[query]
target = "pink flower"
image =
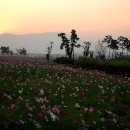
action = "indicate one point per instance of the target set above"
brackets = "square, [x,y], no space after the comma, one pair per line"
[6,125]
[40,114]
[37,125]
[55,110]
[128,124]
[91,109]
[129,79]
[126,106]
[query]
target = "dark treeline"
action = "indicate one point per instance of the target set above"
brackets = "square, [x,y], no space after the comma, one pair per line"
[115,47]
[118,46]
[6,51]
[107,48]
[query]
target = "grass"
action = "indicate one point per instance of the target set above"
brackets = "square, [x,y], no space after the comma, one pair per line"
[38,95]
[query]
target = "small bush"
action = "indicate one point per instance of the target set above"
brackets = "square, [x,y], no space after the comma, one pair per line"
[64,60]
[88,63]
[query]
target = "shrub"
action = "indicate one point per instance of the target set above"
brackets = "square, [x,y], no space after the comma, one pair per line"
[88,63]
[116,66]
[64,60]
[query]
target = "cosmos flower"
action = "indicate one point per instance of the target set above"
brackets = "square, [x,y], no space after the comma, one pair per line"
[56,110]
[77,105]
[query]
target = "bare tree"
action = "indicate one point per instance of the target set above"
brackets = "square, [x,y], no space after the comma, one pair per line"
[101,50]
[111,44]
[48,50]
[86,48]
[121,41]
[127,45]
[124,44]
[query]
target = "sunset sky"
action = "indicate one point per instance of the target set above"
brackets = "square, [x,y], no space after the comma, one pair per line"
[93,18]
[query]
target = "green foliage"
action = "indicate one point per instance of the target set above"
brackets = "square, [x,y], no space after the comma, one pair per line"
[88,63]
[116,66]
[64,60]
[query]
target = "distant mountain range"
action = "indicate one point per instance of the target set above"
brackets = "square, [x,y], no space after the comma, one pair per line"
[34,43]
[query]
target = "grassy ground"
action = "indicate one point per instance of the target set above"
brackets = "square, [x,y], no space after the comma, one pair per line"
[39,95]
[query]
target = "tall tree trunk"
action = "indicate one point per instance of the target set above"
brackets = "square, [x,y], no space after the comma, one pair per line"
[66,52]
[73,53]
[127,52]
[122,50]
[109,52]
[115,53]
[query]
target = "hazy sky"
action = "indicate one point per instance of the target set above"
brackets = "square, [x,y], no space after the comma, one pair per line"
[91,18]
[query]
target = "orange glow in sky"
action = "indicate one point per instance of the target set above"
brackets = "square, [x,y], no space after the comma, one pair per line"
[93,17]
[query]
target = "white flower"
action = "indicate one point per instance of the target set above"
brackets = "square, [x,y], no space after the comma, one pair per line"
[102,119]
[85,109]
[103,91]
[114,120]
[101,87]
[94,122]
[20,91]
[77,105]
[9,97]
[30,115]
[37,125]
[22,122]
[41,92]
[39,100]
[53,116]
[109,112]
[77,89]
[12,106]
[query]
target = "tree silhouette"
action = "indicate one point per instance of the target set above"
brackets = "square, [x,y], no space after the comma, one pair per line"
[101,50]
[91,54]
[121,41]
[22,51]
[74,39]
[86,47]
[69,44]
[108,40]
[111,44]
[114,47]
[49,49]
[127,45]
[6,50]
[124,43]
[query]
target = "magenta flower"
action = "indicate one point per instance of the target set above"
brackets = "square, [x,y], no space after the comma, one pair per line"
[91,109]
[56,110]
[128,124]
[40,114]
[6,125]
[129,79]
[37,125]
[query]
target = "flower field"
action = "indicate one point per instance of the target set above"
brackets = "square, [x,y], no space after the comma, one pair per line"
[35,94]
